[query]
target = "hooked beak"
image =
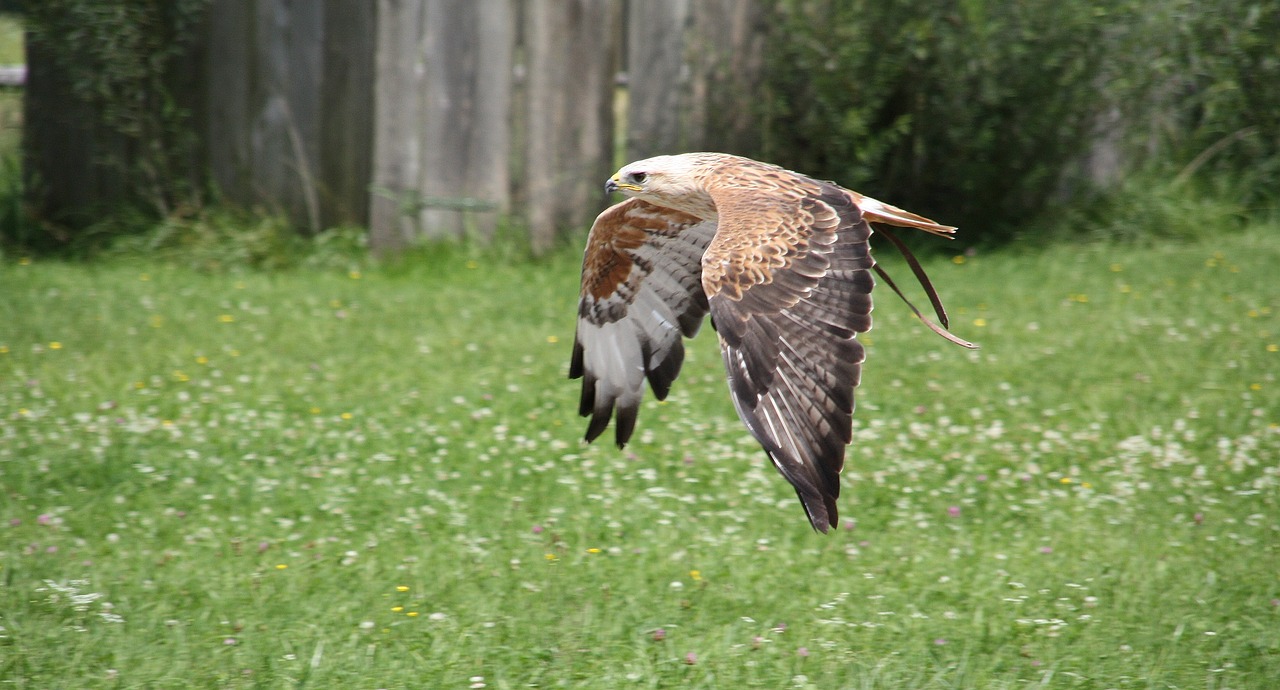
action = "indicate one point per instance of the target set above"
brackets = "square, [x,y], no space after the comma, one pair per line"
[615,184]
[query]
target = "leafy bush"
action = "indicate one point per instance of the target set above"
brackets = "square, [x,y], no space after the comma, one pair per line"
[986,113]
[1219,81]
[117,72]
[968,111]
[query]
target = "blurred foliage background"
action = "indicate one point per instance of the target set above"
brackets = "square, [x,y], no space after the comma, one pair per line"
[998,112]
[1114,118]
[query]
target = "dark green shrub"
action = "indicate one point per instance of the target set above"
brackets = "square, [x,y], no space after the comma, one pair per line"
[987,113]
[116,78]
[969,111]
[1224,69]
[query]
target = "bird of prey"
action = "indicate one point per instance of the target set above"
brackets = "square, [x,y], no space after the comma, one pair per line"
[782,263]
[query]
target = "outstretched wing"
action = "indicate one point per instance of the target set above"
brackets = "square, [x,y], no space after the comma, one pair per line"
[641,293]
[789,282]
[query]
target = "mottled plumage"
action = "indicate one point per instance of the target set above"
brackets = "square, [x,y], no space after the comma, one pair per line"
[782,263]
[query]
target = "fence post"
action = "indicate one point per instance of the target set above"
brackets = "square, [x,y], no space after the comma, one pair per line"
[693,71]
[346,130]
[656,77]
[726,55]
[571,48]
[442,130]
[265,64]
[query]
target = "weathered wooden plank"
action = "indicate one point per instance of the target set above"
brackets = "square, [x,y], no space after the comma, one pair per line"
[656,77]
[289,109]
[397,137]
[284,106]
[572,52]
[443,118]
[725,49]
[229,57]
[346,130]
[305,104]
[693,70]
[265,72]
[466,122]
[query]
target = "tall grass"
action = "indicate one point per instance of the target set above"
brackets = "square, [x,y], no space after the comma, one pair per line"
[372,478]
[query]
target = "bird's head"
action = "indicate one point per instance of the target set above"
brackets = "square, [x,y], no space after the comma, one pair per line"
[671,181]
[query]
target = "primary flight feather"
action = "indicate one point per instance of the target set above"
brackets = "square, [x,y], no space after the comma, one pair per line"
[781,262]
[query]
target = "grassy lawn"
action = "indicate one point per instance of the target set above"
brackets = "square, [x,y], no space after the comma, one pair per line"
[375,480]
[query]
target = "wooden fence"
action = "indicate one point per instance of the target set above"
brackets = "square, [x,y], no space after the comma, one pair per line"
[442,117]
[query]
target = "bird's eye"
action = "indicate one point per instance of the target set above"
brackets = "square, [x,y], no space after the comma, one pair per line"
[639,177]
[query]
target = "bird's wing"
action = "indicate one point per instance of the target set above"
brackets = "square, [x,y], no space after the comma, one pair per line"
[789,283]
[641,293]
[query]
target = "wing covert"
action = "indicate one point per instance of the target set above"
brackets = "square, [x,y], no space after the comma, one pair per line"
[641,294]
[790,287]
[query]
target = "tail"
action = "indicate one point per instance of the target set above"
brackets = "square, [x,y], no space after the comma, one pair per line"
[875,211]
[879,212]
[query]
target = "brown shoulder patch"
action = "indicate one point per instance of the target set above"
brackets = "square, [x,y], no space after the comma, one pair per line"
[617,232]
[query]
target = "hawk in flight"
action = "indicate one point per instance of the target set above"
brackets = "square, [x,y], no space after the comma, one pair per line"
[782,263]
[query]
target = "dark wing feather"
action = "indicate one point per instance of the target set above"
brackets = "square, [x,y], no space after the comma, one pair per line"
[641,294]
[790,286]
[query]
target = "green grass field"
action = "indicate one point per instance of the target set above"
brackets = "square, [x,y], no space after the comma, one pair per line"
[375,480]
